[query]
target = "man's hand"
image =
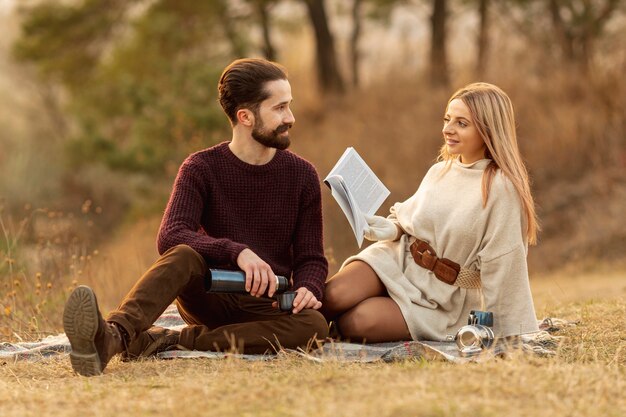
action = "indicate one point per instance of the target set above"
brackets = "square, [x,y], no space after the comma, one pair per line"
[380,228]
[259,275]
[305,299]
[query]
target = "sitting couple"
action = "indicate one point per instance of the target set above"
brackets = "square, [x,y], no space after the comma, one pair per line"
[460,242]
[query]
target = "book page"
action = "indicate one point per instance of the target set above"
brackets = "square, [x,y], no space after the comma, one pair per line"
[357,189]
[347,204]
[368,191]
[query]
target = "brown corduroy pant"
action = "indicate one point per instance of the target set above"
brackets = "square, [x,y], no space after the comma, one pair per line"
[220,322]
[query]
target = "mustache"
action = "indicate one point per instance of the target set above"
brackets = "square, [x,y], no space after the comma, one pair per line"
[283,128]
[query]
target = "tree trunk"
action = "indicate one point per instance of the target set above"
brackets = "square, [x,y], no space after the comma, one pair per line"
[355,55]
[563,36]
[438,58]
[238,46]
[326,58]
[268,48]
[483,38]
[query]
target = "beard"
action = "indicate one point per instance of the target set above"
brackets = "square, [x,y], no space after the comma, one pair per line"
[272,138]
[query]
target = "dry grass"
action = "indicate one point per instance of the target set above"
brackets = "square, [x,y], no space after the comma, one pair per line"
[36,279]
[293,386]
[586,378]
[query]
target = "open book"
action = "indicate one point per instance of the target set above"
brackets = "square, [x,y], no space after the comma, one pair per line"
[357,189]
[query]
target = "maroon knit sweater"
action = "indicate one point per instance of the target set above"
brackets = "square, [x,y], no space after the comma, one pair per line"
[221,205]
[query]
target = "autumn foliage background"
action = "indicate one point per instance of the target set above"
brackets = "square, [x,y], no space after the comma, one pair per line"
[100,101]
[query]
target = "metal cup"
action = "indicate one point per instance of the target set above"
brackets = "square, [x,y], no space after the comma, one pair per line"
[477,335]
[285,300]
[474,337]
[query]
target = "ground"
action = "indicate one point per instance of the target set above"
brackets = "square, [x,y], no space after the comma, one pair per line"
[586,378]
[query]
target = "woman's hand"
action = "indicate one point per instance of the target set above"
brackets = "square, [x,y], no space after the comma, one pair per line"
[380,228]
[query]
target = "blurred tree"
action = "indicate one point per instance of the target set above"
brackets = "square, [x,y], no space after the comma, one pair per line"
[577,25]
[262,9]
[67,41]
[140,74]
[327,64]
[355,55]
[372,9]
[438,55]
[482,41]
[574,27]
[236,37]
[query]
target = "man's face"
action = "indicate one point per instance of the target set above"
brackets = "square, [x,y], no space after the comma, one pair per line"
[273,119]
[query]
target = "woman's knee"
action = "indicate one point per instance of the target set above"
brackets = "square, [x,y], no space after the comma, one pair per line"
[334,295]
[350,286]
[357,324]
[338,298]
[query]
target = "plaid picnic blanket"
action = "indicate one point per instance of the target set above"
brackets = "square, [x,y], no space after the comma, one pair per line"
[543,344]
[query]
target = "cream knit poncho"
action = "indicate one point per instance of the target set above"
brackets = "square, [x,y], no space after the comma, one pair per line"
[447,212]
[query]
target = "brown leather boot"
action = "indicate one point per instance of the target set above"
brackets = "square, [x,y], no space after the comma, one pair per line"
[94,341]
[152,341]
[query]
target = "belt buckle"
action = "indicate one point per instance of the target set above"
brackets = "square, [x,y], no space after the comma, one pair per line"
[426,251]
[428,258]
[425,246]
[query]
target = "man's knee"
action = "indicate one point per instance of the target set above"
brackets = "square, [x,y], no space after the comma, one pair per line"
[312,324]
[187,255]
[181,250]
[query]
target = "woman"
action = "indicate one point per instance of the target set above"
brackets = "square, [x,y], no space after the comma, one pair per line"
[458,244]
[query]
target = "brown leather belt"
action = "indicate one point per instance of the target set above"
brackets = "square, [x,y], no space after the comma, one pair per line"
[444,269]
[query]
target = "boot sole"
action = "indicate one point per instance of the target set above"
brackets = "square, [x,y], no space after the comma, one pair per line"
[80,322]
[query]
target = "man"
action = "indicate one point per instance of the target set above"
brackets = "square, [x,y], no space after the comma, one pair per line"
[246,204]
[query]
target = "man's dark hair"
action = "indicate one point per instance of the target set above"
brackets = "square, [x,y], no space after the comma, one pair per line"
[242,84]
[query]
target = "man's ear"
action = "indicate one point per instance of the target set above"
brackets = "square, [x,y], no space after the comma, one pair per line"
[245,117]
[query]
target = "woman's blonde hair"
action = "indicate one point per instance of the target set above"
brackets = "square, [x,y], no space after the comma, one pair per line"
[492,112]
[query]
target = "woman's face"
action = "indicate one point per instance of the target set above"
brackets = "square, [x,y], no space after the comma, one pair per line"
[460,133]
